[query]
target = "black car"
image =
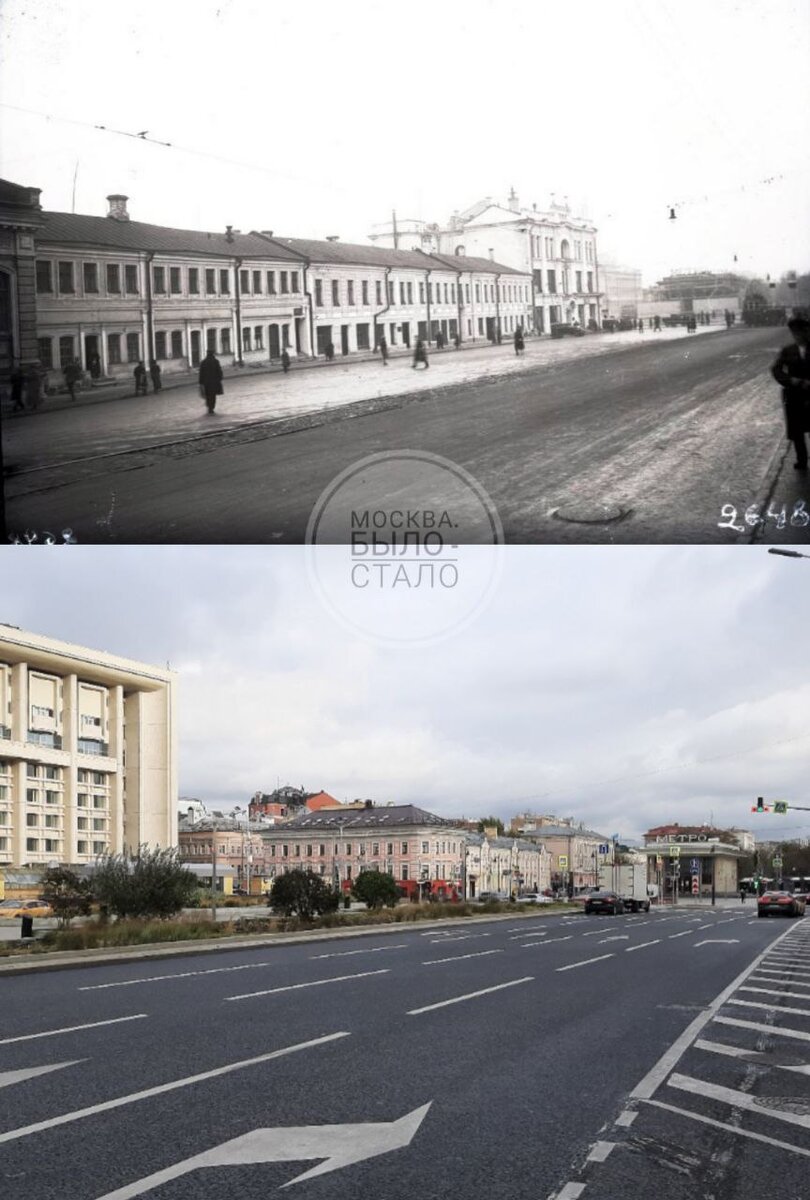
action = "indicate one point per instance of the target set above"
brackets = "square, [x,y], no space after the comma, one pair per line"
[604,901]
[561,330]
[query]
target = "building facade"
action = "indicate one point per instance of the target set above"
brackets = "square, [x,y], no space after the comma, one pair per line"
[693,860]
[622,291]
[556,249]
[506,865]
[20,219]
[579,856]
[88,752]
[111,292]
[236,845]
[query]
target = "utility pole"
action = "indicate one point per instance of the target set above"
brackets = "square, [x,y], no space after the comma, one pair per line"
[394,223]
[214,870]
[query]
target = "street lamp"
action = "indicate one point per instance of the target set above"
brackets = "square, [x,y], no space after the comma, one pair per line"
[214,869]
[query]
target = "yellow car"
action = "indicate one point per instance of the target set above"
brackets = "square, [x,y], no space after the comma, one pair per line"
[25,908]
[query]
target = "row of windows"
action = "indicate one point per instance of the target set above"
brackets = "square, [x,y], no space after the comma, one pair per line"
[61,277]
[551,281]
[546,244]
[359,848]
[431,293]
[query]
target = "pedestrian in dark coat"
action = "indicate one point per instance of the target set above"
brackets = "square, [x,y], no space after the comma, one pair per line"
[792,371]
[439,340]
[329,351]
[383,348]
[17,381]
[211,380]
[285,360]
[73,373]
[154,372]
[640,325]
[94,366]
[420,354]
[140,379]
[519,343]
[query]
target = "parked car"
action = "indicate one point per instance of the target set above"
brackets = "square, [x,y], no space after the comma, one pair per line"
[604,901]
[561,330]
[582,896]
[25,908]
[488,896]
[787,904]
[534,898]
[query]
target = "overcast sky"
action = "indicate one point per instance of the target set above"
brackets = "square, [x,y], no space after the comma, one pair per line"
[625,686]
[343,111]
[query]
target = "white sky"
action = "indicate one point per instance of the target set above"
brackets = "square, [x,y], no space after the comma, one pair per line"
[349,109]
[626,686]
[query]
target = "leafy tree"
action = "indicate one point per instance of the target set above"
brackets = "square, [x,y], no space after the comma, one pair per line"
[68,895]
[376,889]
[149,883]
[487,821]
[300,893]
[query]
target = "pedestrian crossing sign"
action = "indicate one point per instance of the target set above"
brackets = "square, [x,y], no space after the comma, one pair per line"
[780,806]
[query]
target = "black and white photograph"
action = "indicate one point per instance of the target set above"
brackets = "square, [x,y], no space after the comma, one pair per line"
[404,578]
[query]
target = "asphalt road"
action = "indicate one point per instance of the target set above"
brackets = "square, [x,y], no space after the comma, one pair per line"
[645,443]
[610,1058]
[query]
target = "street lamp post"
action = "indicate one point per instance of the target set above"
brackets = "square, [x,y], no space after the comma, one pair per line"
[214,869]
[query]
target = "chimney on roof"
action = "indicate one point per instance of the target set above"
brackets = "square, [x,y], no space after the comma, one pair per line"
[332,237]
[118,207]
[513,201]
[491,253]
[229,233]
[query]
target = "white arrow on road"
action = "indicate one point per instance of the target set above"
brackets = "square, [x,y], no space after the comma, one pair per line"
[717,942]
[339,1145]
[7,1078]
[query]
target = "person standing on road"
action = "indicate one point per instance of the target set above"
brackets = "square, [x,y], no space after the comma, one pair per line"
[383,348]
[154,372]
[519,343]
[211,380]
[420,354]
[641,324]
[17,380]
[792,371]
[73,373]
[285,360]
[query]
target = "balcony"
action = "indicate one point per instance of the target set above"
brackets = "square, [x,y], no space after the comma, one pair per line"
[92,746]
[40,738]
[5,733]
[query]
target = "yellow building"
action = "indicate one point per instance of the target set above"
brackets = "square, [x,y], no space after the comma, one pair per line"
[88,752]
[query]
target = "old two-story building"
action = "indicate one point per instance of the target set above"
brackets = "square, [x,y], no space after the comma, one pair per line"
[235,844]
[510,865]
[111,292]
[554,247]
[20,218]
[359,293]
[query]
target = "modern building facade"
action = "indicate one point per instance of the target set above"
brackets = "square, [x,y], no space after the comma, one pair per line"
[554,247]
[88,752]
[694,860]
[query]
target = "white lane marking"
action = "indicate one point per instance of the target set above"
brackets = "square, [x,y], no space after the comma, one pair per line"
[294,987]
[13,1134]
[626,1118]
[99,987]
[29,1037]
[413,1012]
[778,995]
[522,932]
[616,937]
[709,926]
[773,980]
[374,950]
[571,1191]
[742,1052]
[431,962]
[464,937]
[593,932]
[748,1133]
[586,962]
[683,933]
[8,1078]
[759,1027]
[600,1151]
[783,971]
[717,942]
[656,1075]
[642,946]
[548,941]
[799,1012]
[735,1098]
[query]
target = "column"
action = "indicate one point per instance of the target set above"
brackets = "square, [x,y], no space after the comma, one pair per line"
[19,702]
[19,782]
[102,350]
[70,733]
[115,735]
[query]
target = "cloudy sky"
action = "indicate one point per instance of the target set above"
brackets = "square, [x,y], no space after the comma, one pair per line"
[625,686]
[319,118]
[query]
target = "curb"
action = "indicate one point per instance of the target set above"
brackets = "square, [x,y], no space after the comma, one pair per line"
[66,960]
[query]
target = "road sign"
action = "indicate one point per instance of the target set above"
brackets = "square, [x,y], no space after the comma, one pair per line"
[674,852]
[563,861]
[339,1145]
[694,865]
[780,806]
[695,885]
[604,849]
[777,862]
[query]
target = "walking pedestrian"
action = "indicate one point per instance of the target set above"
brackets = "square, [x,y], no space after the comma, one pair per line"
[519,343]
[73,373]
[17,380]
[285,360]
[641,324]
[94,365]
[329,351]
[154,372]
[792,371]
[211,380]
[383,348]
[140,379]
[439,340]
[420,354]
[657,325]
[742,895]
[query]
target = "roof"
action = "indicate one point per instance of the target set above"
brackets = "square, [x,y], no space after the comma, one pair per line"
[354,254]
[564,831]
[388,815]
[81,230]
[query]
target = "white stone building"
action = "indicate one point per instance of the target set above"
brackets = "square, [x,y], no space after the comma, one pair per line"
[117,291]
[555,248]
[506,864]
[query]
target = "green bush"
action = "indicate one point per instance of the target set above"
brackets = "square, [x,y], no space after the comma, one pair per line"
[150,883]
[376,889]
[68,895]
[302,894]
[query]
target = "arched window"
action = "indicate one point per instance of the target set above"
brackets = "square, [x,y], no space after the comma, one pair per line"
[565,248]
[460,250]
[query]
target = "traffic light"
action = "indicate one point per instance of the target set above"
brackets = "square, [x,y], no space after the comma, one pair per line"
[761,806]
[780,806]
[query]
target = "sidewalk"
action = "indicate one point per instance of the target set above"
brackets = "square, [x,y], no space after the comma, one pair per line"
[102,392]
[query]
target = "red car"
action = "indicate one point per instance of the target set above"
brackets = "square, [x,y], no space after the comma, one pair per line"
[786,904]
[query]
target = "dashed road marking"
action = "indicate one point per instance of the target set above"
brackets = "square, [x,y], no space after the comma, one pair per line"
[643,946]
[294,987]
[431,962]
[600,1151]
[413,1012]
[586,962]
[29,1037]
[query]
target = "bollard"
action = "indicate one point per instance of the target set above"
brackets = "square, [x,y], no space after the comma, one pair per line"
[27,927]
